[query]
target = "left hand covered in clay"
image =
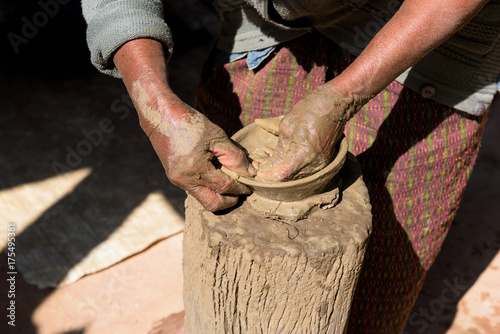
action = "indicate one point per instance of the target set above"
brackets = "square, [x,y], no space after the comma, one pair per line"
[308,135]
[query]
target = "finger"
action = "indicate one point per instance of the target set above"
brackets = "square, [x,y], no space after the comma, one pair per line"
[230,156]
[270,163]
[271,125]
[221,183]
[212,201]
[280,173]
[269,151]
[277,169]
[256,165]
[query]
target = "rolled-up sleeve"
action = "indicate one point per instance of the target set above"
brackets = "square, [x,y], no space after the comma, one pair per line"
[112,23]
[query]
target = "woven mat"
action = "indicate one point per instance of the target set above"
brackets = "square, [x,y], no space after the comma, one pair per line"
[58,244]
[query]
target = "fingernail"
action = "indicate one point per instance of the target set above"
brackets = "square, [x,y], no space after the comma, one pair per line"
[247,191]
[252,170]
[268,150]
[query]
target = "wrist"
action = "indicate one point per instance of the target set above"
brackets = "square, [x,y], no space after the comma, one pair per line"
[342,103]
[142,64]
[157,105]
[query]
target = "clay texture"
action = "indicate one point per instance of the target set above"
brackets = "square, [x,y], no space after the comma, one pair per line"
[253,138]
[244,273]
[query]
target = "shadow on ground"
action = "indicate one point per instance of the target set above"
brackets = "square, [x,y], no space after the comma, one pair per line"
[51,94]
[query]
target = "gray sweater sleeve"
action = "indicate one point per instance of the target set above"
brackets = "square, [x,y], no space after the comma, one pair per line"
[112,23]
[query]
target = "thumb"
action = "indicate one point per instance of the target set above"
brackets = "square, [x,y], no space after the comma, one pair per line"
[233,158]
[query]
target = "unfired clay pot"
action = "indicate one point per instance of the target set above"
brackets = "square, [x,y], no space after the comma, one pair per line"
[253,137]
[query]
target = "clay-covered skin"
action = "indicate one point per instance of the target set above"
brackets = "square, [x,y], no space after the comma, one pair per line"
[308,135]
[184,140]
[186,146]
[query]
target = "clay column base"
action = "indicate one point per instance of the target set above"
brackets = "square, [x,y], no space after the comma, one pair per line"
[244,273]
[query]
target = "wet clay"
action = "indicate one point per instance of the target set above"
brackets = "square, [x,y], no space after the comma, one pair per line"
[244,273]
[253,138]
[271,125]
[291,211]
[346,108]
[342,108]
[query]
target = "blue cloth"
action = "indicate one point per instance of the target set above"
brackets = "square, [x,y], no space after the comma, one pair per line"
[253,58]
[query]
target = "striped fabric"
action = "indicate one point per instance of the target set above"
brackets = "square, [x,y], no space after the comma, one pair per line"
[270,90]
[416,156]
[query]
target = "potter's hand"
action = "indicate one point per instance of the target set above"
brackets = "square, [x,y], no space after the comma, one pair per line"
[184,140]
[416,28]
[308,135]
[186,147]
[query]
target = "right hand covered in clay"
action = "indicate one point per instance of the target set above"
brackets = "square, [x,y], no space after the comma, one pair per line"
[186,144]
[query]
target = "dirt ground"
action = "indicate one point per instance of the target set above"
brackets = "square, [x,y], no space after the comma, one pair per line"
[49,92]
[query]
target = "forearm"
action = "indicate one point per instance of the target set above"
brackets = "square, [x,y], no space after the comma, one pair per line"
[142,65]
[416,29]
[112,23]
[185,140]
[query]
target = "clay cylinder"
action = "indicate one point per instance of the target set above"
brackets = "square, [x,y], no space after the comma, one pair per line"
[245,273]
